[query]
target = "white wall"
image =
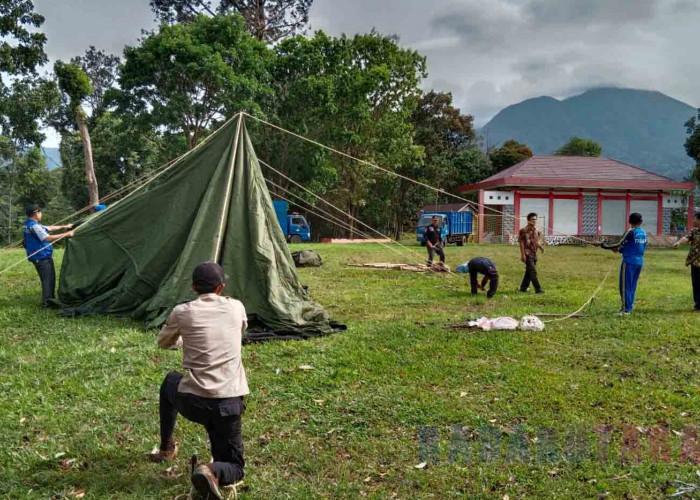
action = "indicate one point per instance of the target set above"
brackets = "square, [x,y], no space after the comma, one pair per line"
[565,217]
[540,206]
[614,217]
[650,213]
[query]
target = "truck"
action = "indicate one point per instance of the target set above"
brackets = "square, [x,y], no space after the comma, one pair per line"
[294,226]
[455,227]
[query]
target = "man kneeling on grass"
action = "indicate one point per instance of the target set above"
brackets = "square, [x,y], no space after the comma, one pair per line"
[210,330]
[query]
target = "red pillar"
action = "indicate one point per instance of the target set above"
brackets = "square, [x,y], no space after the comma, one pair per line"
[660,215]
[481,215]
[628,207]
[599,227]
[516,200]
[691,211]
[580,213]
[550,222]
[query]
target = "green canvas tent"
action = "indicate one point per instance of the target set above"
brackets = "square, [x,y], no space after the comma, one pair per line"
[136,258]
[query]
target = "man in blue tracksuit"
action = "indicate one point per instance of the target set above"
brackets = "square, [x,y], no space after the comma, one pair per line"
[632,247]
[37,242]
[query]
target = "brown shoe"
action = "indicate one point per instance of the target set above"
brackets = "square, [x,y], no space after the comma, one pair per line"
[205,483]
[161,456]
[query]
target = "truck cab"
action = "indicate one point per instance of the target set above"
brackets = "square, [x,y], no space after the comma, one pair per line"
[425,220]
[294,226]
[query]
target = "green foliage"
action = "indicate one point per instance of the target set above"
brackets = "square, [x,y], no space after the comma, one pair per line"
[580,147]
[21,46]
[122,153]
[73,82]
[102,70]
[692,143]
[35,184]
[23,107]
[187,76]
[353,94]
[510,153]
[267,20]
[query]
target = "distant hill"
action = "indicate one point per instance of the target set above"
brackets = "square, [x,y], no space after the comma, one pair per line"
[640,127]
[53,158]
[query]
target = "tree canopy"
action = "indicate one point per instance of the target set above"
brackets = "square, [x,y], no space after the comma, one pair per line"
[580,147]
[510,153]
[188,77]
[692,143]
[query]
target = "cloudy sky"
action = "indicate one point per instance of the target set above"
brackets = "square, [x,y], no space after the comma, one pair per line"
[488,53]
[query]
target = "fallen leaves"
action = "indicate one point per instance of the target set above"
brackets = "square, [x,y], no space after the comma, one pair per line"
[306,367]
[421,465]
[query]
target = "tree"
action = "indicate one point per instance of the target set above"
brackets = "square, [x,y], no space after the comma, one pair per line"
[35,185]
[188,77]
[356,95]
[580,147]
[102,69]
[510,153]
[692,143]
[267,20]
[271,20]
[76,87]
[21,48]
[122,151]
[450,143]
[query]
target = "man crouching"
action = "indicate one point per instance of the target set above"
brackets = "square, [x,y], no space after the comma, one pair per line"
[211,391]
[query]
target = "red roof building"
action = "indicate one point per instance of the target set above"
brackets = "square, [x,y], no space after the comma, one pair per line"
[581,196]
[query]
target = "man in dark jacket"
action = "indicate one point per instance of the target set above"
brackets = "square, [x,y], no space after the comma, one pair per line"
[433,241]
[482,265]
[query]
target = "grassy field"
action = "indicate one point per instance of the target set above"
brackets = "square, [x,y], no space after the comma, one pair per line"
[78,404]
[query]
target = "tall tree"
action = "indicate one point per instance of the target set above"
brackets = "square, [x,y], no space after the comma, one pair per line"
[271,20]
[580,147]
[102,69]
[267,20]
[356,95]
[692,143]
[22,47]
[76,87]
[510,153]
[188,77]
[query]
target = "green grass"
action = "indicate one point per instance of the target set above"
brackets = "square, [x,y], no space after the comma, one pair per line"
[88,388]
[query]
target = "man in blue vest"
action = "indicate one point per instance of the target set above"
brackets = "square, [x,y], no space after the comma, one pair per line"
[37,242]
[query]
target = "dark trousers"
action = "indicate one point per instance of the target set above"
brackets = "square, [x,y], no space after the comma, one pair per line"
[221,417]
[695,277]
[530,275]
[493,282]
[436,249]
[47,275]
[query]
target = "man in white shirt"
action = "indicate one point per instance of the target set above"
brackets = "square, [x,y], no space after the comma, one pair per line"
[210,330]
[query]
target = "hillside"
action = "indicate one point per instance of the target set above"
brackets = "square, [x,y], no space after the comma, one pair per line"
[640,127]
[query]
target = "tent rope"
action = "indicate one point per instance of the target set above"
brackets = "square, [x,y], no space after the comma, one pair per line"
[341,224]
[396,174]
[340,210]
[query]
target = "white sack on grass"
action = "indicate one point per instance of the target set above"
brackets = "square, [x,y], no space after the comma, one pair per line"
[531,323]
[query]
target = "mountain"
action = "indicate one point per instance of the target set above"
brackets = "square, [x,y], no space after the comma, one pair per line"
[641,127]
[53,158]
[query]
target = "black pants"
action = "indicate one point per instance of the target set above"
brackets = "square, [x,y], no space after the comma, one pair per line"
[493,282]
[695,277]
[47,275]
[436,249]
[530,275]
[221,417]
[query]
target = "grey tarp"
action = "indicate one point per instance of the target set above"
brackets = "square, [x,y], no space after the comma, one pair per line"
[136,258]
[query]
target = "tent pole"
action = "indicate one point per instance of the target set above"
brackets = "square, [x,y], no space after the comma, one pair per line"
[227,201]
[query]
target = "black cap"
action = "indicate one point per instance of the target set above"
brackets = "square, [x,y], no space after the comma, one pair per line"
[32,209]
[207,276]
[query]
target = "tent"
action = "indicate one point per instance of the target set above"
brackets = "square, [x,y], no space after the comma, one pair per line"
[136,258]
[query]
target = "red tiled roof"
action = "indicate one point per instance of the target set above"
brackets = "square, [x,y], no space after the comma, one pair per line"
[580,172]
